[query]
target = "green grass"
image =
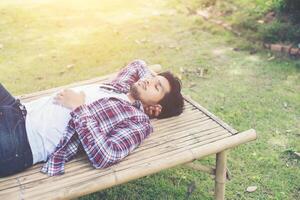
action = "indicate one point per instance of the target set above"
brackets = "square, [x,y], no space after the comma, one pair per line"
[41,38]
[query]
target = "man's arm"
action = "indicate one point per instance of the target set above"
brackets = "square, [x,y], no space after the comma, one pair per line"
[130,74]
[105,149]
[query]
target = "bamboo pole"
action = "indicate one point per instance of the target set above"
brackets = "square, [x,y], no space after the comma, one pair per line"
[220,178]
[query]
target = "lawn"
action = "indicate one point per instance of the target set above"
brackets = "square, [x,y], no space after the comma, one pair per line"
[49,43]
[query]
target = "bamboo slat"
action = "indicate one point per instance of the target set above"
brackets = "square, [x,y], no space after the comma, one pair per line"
[204,110]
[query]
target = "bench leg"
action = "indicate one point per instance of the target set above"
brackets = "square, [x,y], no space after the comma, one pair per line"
[220,178]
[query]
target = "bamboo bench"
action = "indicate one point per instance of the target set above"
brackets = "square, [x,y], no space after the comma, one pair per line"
[178,140]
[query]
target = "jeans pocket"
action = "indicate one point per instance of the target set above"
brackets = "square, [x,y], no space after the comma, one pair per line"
[10,119]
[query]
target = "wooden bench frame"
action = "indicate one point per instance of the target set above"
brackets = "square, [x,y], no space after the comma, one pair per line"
[219,148]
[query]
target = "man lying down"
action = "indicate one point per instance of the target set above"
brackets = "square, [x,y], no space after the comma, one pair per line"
[107,121]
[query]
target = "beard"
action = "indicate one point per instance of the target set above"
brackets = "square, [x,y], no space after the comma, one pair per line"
[134,92]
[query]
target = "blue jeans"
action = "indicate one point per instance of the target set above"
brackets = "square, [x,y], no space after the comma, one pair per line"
[15,152]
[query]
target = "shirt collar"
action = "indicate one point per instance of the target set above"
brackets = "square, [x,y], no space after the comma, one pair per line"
[138,104]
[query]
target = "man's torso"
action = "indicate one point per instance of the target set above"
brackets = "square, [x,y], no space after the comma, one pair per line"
[46,122]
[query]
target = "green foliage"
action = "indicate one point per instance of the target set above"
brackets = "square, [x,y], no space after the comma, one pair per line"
[245,16]
[281,29]
[278,31]
[291,8]
[207,3]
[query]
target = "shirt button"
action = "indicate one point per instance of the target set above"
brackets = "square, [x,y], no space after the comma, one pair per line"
[17,155]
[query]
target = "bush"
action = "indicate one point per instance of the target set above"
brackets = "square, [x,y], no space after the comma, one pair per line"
[284,28]
[292,9]
[278,31]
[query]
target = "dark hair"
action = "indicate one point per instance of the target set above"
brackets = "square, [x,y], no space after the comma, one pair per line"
[172,103]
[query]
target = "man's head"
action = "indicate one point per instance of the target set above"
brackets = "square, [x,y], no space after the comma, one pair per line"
[161,92]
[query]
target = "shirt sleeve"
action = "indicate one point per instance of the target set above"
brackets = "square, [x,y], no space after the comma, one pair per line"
[55,164]
[104,149]
[130,74]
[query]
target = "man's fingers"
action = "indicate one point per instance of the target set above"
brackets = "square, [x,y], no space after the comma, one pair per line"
[58,99]
[153,111]
[150,112]
[66,90]
[59,94]
[82,93]
[157,112]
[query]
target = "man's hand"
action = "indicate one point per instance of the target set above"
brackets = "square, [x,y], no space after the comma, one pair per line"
[70,99]
[155,69]
[153,111]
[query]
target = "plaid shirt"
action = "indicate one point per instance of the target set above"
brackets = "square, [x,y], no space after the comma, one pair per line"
[108,129]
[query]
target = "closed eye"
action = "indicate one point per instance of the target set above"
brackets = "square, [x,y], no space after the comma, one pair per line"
[160,85]
[156,87]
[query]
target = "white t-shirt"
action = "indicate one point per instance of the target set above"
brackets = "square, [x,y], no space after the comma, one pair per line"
[46,121]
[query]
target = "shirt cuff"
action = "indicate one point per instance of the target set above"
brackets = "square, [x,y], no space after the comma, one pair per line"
[51,169]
